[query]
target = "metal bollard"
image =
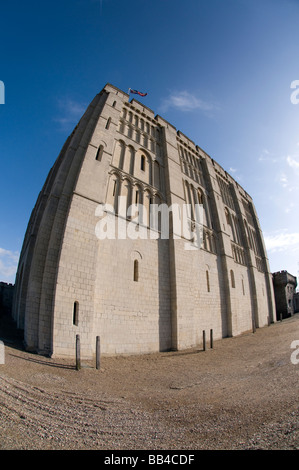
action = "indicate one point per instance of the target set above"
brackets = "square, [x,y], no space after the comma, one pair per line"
[78,359]
[98,352]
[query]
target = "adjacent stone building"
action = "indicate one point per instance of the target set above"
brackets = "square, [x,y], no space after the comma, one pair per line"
[284,291]
[138,293]
[6,298]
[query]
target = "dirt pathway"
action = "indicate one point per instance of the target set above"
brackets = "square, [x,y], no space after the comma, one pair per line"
[242,394]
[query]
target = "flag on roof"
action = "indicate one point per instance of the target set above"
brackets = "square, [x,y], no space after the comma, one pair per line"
[137,92]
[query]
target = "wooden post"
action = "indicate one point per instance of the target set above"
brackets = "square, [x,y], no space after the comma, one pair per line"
[98,352]
[204,340]
[211,339]
[78,360]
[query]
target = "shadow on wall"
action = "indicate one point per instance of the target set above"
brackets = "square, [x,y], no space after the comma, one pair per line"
[165,320]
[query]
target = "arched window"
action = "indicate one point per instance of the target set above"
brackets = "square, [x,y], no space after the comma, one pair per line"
[114,187]
[232,278]
[76,313]
[142,166]
[100,153]
[136,270]
[208,281]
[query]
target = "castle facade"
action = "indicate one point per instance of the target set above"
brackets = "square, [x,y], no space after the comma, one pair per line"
[139,291]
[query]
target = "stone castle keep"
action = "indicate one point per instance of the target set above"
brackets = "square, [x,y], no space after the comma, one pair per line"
[139,295]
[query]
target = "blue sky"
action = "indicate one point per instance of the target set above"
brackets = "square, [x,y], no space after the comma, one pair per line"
[219,70]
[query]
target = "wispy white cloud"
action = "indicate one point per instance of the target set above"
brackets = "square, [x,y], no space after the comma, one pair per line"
[235,173]
[70,111]
[291,206]
[282,241]
[289,174]
[185,101]
[8,264]
[284,169]
[267,156]
[293,162]
[283,179]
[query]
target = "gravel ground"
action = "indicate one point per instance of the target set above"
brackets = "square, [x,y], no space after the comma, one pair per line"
[242,394]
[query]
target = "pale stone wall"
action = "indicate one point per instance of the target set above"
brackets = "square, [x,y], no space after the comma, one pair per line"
[76,280]
[71,282]
[133,316]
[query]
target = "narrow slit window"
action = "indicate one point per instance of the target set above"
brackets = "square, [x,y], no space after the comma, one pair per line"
[232,277]
[136,270]
[99,153]
[142,162]
[76,314]
[108,123]
[137,196]
[208,281]
[114,188]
